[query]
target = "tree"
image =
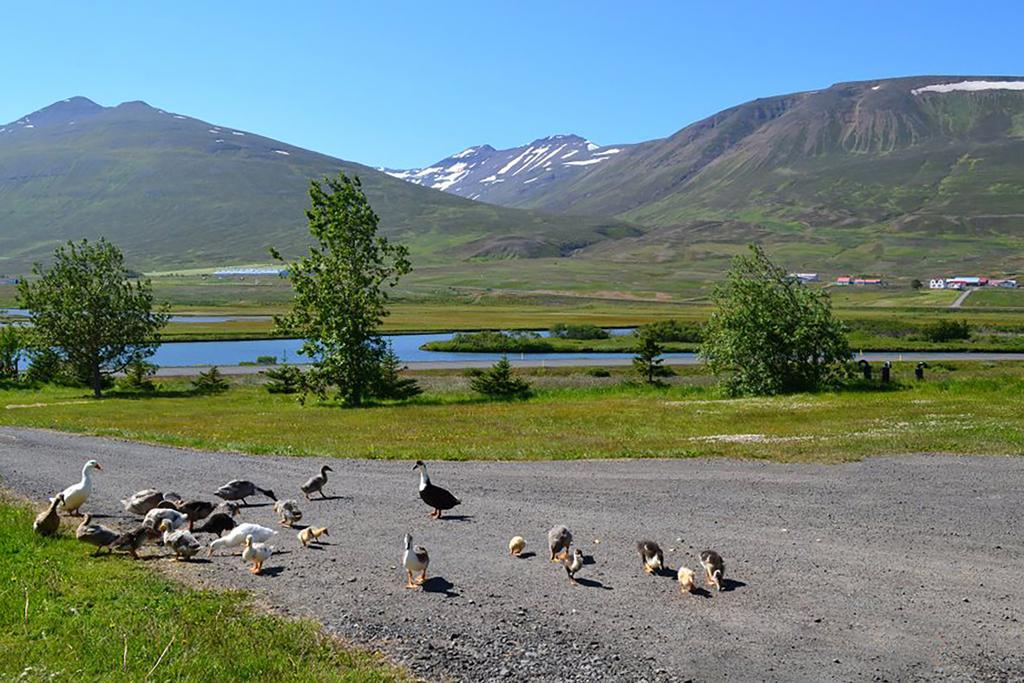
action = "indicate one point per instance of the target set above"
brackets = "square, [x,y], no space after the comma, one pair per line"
[648,361]
[138,376]
[210,382]
[341,292]
[390,384]
[87,309]
[499,382]
[286,379]
[916,284]
[772,334]
[12,350]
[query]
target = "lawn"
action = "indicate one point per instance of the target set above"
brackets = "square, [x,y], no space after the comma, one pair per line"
[967,407]
[66,616]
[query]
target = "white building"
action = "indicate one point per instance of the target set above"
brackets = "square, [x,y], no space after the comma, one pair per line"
[937,283]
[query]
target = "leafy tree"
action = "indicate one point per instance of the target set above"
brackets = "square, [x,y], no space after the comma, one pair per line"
[648,361]
[499,382]
[771,334]
[210,382]
[916,284]
[582,331]
[286,379]
[87,309]
[341,290]
[13,344]
[947,330]
[672,331]
[138,376]
[390,384]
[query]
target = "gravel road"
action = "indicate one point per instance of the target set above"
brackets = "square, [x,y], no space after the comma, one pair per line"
[888,569]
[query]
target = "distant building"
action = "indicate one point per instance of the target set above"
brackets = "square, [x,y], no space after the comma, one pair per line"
[967,281]
[937,283]
[869,281]
[251,272]
[844,280]
[805,277]
[9,280]
[1007,284]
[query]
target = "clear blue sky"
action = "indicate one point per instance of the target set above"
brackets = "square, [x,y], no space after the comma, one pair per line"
[406,83]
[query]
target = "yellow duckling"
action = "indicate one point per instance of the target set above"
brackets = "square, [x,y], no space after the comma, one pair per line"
[516,546]
[312,534]
[685,578]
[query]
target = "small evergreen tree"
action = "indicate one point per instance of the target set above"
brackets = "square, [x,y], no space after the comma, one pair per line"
[499,382]
[210,382]
[648,361]
[390,384]
[286,379]
[138,376]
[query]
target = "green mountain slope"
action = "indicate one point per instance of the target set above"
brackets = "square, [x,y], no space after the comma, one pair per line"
[176,192]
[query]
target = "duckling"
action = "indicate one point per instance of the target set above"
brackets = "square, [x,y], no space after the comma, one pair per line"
[257,553]
[134,539]
[157,515]
[141,502]
[651,556]
[316,483]
[415,559]
[559,540]
[182,542]
[573,563]
[48,521]
[236,536]
[217,523]
[714,568]
[96,534]
[312,534]
[76,494]
[685,578]
[288,511]
[195,510]
[516,546]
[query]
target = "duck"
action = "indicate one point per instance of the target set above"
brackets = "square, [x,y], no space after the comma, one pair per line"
[133,539]
[96,534]
[685,578]
[227,507]
[48,521]
[141,502]
[436,497]
[559,540]
[181,541]
[415,559]
[157,515]
[288,511]
[714,568]
[315,484]
[195,510]
[312,534]
[257,553]
[573,563]
[516,546]
[217,523]
[76,494]
[240,489]
[236,536]
[651,556]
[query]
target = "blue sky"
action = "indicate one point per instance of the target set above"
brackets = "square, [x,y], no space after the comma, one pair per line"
[406,83]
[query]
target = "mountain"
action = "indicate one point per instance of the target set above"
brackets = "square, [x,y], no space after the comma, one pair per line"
[511,176]
[882,175]
[175,191]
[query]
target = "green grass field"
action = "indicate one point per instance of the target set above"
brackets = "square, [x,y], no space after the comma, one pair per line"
[66,616]
[965,407]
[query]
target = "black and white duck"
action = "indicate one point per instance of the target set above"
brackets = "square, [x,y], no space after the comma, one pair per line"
[651,556]
[240,489]
[316,483]
[714,568]
[217,523]
[436,497]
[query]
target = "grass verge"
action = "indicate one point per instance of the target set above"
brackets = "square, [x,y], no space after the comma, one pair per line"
[65,616]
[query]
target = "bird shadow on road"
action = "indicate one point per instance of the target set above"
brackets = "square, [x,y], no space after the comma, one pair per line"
[458,518]
[588,559]
[664,572]
[591,583]
[325,498]
[272,571]
[700,592]
[254,505]
[192,560]
[527,555]
[731,585]
[439,584]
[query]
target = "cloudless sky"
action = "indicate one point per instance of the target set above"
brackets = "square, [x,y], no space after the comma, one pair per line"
[403,84]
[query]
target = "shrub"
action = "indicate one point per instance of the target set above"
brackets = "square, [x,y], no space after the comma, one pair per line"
[210,382]
[598,372]
[499,382]
[286,379]
[585,331]
[648,361]
[672,331]
[13,345]
[138,376]
[947,330]
[495,342]
[266,360]
[390,384]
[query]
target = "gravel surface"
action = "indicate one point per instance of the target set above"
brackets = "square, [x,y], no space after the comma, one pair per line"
[888,569]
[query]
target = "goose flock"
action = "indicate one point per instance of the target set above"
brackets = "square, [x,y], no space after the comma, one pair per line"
[168,520]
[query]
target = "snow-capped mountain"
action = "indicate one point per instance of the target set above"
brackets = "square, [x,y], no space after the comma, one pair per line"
[506,176]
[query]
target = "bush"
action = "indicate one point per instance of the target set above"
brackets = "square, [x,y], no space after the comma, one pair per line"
[499,382]
[13,345]
[266,360]
[210,382]
[495,342]
[138,376]
[947,330]
[585,331]
[286,379]
[672,331]
[598,372]
[390,384]
[771,335]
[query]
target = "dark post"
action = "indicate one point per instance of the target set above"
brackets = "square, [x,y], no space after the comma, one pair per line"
[919,370]
[865,367]
[886,369]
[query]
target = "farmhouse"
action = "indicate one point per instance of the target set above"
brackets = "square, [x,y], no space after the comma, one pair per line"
[804,277]
[937,283]
[251,272]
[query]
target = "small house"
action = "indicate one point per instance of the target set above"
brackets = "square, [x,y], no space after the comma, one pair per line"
[937,283]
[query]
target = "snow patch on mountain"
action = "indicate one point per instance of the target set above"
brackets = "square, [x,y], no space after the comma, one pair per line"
[970,86]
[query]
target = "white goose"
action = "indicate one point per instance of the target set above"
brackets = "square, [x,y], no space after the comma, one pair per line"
[236,536]
[76,494]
